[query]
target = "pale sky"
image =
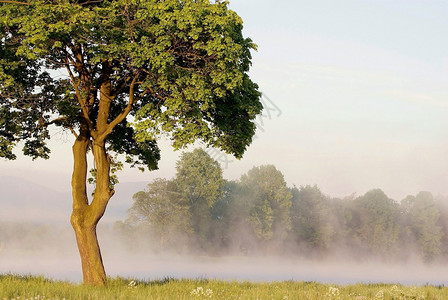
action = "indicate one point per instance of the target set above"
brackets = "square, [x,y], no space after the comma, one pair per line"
[359,99]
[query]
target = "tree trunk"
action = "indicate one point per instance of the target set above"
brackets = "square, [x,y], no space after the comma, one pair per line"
[85,216]
[91,260]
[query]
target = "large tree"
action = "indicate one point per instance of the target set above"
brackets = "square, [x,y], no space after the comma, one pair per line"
[117,74]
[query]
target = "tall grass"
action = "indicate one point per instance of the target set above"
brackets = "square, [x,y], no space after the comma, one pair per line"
[19,287]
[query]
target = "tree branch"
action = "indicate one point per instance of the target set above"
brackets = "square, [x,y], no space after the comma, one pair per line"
[121,87]
[79,177]
[73,131]
[15,2]
[127,109]
[103,191]
[81,100]
[45,124]
[90,2]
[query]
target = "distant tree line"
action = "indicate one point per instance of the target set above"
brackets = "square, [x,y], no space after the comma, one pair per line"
[259,214]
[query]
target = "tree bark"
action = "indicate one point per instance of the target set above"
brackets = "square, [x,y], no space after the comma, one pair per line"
[85,216]
[89,250]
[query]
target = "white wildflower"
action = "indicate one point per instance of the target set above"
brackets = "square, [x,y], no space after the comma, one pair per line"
[208,293]
[396,292]
[379,295]
[333,293]
[395,288]
[199,291]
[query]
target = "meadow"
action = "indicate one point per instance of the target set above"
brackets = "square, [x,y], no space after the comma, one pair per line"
[27,287]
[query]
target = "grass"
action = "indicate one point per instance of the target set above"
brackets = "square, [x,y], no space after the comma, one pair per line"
[20,287]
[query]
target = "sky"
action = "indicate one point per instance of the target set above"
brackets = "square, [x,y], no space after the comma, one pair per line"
[355,96]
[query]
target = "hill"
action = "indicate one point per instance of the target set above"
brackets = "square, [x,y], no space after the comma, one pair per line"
[22,200]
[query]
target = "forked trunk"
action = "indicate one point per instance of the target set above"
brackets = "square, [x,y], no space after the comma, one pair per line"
[85,215]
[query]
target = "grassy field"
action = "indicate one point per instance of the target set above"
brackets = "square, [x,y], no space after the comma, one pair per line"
[39,288]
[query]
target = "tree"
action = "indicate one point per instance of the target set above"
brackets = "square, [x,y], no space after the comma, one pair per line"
[423,224]
[161,208]
[375,223]
[200,181]
[311,218]
[133,69]
[441,202]
[270,202]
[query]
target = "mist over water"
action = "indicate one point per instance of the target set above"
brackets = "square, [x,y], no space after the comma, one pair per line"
[55,256]
[48,247]
[278,269]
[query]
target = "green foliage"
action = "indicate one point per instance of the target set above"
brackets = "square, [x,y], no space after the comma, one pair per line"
[423,224]
[21,84]
[176,209]
[115,166]
[199,178]
[231,226]
[377,222]
[270,202]
[162,209]
[7,124]
[184,64]
[310,216]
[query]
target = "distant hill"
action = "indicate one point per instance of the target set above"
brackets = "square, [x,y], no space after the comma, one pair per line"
[24,201]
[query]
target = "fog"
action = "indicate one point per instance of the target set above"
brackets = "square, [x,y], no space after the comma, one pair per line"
[46,245]
[51,251]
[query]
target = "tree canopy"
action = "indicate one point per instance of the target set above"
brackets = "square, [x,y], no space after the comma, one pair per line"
[174,66]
